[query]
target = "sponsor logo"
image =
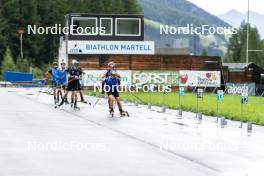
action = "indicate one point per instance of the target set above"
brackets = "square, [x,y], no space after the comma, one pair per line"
[76,49]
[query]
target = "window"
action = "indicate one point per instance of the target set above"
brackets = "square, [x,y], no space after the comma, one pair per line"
[128,27]
[84,26]
[106,25]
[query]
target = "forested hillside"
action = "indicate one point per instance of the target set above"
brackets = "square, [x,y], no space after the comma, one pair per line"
[42,49]
[178,12]
[181,13]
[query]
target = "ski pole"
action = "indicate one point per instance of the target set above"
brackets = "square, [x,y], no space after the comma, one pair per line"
[96,102]
[137,97]
[40,91]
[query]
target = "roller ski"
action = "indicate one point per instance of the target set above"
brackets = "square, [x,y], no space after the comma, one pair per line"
[124,113]
[76,108]
[85,102]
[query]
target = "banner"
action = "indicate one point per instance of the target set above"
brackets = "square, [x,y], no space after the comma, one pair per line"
[111,47]
[200,78]
[233,88]
[156,77]
[93,77]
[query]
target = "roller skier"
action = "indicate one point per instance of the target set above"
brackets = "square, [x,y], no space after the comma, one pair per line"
[110,84]
[74,75]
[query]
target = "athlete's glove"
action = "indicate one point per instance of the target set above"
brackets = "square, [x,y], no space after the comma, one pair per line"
[43,83]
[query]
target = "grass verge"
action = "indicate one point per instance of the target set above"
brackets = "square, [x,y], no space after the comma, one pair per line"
[229,107]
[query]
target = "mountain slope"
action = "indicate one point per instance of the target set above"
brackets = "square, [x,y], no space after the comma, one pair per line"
[235,18]
[180,13]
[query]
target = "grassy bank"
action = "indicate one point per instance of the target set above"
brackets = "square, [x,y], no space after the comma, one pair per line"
[229,107]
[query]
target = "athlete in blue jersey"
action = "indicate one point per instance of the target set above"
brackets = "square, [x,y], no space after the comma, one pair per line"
[62,80]
[111,67]
[54,74]
[111,84]
[74,75]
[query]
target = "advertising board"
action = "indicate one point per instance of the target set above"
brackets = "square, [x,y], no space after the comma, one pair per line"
[200,78]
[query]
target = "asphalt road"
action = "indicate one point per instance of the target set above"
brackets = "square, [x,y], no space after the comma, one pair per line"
[36,139]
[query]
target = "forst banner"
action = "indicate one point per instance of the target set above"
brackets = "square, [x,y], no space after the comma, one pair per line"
[128,77]
[156,77]
[173,78]
[199,78]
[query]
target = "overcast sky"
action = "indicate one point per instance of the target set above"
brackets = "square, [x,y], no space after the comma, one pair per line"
[217,7]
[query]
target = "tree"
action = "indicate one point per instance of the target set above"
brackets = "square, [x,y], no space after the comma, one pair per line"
[204,52]
[97,6]
[108,6]
[22,64]
[238,45]
[37,73]
[131,7]
[118,7]
[8,62]
[3,38]
[42,49]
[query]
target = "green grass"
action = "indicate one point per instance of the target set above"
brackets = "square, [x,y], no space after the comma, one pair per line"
[229,107]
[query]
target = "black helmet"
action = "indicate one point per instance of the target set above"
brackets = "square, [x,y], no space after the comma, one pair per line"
[76,64]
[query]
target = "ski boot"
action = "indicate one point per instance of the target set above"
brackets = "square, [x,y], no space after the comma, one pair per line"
[57,100]
[66,101]
[61,103]
[111,111]
[83,101]
[72,103]
[75,106]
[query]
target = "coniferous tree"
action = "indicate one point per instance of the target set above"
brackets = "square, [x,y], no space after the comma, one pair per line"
[22,64]
[238,45]
[8,62]
[118,7]
[204,52]
[3,38]
[42,49]
[131,7]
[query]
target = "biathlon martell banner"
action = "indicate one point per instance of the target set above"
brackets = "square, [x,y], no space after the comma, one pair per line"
[156,77]
[200,78]
[111,47]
